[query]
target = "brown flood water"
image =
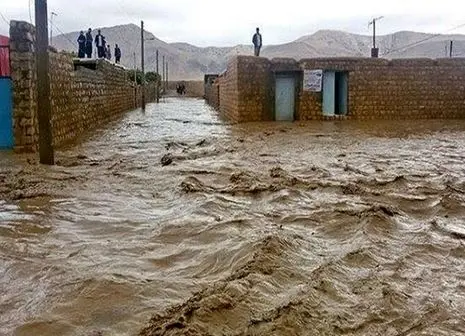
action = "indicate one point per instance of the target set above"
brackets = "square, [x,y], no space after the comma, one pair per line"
[262,229]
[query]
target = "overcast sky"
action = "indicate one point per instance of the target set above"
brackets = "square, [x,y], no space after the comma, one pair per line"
[223,23]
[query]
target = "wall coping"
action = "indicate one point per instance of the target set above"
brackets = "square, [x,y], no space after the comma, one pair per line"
[368,61]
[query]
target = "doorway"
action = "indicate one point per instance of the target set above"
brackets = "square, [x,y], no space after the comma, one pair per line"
[335,93]
[285,97]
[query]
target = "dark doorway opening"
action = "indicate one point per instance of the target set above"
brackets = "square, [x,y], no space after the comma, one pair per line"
[335,93]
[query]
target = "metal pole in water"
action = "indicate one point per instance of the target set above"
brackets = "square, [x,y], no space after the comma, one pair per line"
[46,152]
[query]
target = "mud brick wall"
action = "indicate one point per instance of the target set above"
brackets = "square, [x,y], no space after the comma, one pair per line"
[81,99]
[84,99]
[212,94]
[393,89]
[23,73]
[254,82]
[377,88]
[211,90]
[228,92]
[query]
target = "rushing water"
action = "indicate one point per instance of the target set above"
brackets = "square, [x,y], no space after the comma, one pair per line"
[339,228]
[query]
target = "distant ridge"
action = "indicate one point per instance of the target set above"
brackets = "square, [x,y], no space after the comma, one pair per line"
[187,61]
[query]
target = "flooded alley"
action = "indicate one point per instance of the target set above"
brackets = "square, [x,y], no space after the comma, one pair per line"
[318,228]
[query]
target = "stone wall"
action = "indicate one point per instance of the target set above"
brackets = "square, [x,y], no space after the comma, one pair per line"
[254,88]
[23,74]
[81,99]
[228,92]
[212,93]
[211,90]
[394,89]
[377,88]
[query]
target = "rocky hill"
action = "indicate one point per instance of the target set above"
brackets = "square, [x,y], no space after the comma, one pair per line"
[190,62]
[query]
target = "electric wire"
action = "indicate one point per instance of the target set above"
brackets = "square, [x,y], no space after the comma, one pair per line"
[414,44]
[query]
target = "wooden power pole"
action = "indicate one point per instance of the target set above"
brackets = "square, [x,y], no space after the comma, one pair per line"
[158,81]
[167,84]
[142,62]
[135,81]
[374,50]
[43,84]
[163,76]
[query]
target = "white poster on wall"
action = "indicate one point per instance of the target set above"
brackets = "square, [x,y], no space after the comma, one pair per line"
[313,80]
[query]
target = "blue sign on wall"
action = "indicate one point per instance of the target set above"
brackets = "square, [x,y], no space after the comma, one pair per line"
[6,114]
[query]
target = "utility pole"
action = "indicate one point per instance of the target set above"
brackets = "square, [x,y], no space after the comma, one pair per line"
[142,62]
[163,77]
[451,48]
[374,50]
[167,83]
[52,14]
[135,81]
[158,81]
[43,84]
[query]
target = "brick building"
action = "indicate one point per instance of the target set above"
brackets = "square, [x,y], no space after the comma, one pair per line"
[258,89]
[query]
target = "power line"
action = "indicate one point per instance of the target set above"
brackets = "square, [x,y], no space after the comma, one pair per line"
[63,34]
[30,11]
[414,44]
[5,19]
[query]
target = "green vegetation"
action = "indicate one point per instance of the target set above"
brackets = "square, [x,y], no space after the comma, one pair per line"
[149,76]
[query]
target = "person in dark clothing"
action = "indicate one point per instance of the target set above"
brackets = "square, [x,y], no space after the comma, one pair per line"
[257,42]
[108,52]
[82,45]
[100,44]
[117,54]
[89,41]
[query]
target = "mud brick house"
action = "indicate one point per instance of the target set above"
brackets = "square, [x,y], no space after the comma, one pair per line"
[258,89]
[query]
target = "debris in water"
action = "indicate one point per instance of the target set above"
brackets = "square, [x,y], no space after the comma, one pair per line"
[201,143]
[166,160]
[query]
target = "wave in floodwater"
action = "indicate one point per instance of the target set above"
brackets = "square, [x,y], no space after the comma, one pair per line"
[344,228]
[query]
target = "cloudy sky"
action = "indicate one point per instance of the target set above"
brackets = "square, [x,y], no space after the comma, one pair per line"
[222,23]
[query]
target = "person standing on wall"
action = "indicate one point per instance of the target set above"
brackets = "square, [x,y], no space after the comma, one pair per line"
[82,45]
[257,42]
[108,52]
[89,41]
[117,54]
[100,44]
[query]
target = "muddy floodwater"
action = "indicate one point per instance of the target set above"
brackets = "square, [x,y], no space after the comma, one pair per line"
[341,228]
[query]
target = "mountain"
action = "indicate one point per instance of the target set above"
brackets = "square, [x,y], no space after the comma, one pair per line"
[189,62]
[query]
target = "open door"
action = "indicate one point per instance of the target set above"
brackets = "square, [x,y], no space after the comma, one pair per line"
[335,93]
[342,91]
[329,93]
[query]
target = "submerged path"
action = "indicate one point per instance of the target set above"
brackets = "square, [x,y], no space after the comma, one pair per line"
[261,229]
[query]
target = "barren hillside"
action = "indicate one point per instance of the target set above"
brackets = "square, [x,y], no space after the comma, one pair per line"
[190,62]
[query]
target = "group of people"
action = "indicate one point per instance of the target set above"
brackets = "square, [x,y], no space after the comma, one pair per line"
[181,89]
[86,41]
